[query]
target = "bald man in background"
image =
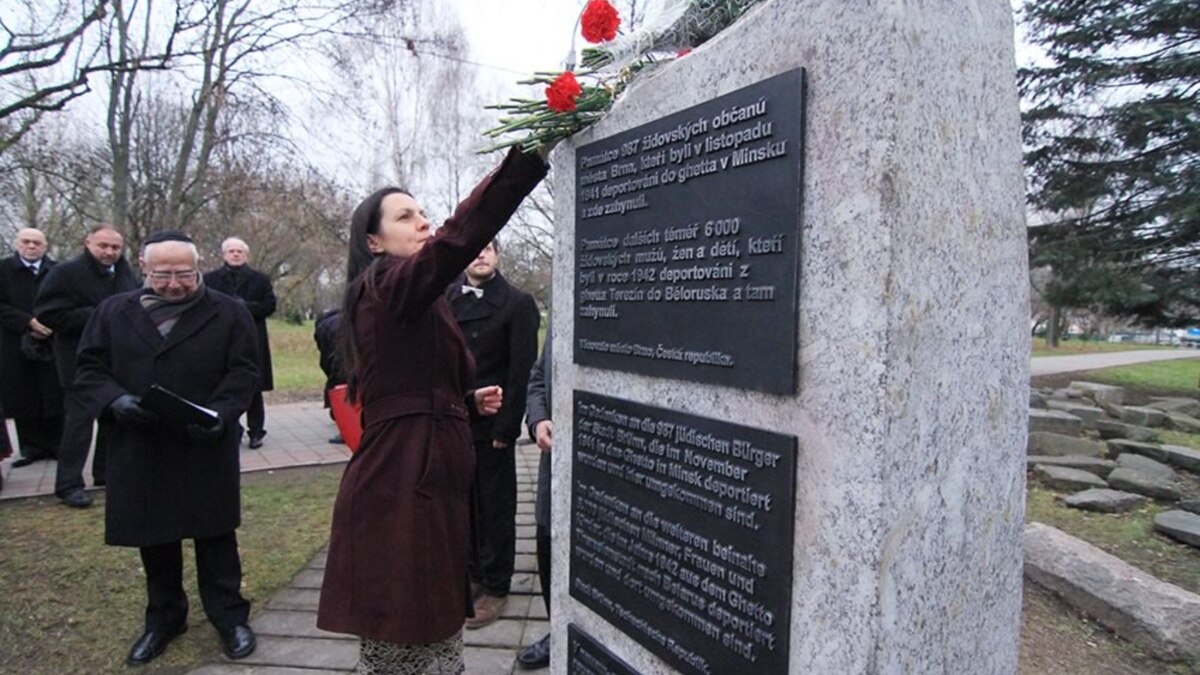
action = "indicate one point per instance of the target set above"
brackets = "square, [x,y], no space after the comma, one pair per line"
[29,390]
[65,302]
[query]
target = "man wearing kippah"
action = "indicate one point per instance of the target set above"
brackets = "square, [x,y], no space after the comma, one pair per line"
[173,477]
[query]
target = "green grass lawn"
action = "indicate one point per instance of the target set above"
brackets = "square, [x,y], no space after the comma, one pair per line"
[1129,536]
[70,604]
[295,360]
[1179,377]
[1069,347]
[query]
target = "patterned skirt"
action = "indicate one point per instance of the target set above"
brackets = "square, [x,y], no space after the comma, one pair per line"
[388,658]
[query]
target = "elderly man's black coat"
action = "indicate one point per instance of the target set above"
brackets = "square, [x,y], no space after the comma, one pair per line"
[67,298]
[501,329]
[28,388]
[254,289]
[163,486]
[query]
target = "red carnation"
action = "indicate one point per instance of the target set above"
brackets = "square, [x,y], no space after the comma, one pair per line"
[561,94]
[600,21]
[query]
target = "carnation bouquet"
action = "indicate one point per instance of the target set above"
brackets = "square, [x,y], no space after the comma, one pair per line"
[576,99]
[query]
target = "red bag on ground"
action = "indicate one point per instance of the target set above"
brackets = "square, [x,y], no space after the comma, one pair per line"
[347,416]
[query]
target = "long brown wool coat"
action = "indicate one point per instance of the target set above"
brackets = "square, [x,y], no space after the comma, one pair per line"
[397,565]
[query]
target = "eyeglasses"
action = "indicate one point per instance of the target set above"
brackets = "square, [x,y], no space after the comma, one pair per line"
[182,277]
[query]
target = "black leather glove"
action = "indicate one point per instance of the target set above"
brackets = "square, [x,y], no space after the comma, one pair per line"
[128,413]
[206,434]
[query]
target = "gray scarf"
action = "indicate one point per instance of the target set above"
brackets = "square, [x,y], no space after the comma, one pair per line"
[165,313]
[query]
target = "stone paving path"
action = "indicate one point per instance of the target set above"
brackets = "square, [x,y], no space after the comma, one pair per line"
[289,642]
[297,435]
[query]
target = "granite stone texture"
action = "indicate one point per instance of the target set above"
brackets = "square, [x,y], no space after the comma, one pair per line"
[913,397]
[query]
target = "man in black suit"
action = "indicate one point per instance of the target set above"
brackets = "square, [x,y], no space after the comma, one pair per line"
[64,304]
[29,388]
[236,278]
[500,323]
[541,429]
[174,480]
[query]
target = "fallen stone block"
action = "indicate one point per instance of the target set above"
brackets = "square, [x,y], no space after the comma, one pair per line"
[1190,505]
[1088,413]
[1184,458]
[1117,447]
[1187,406]
[1144,417]
[1063,478]
[1139,483]
[1104,500]
[1147,466]
[1113,429]
[1181,422]
[1180,526]
[1036,399]
[1100,393]
[1066,395]
[1162,618]
[1054,421]
[1100,467]
[1046,443]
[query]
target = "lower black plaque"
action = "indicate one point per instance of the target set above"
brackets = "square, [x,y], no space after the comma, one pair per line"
[585,656]
[681,533]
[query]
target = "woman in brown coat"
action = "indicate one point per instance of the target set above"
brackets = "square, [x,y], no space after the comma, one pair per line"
[397,569]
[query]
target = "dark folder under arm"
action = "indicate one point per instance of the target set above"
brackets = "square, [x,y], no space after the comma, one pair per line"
[176,411]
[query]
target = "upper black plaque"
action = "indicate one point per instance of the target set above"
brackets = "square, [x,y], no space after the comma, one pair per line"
[687,242]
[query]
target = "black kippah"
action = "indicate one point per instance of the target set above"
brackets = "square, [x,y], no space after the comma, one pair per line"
[166,235]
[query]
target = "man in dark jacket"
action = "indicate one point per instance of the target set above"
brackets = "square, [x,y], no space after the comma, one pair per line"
[173,480]
[500,323]
[236,278]
[541,430]
[29,387]
[325,333]
[64,303]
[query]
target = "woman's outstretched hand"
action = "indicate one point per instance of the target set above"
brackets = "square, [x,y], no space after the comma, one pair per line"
[488,399]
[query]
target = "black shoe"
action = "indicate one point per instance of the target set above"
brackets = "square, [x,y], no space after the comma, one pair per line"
[76,499]
[256,438]
[338,440]
[26,461]
[239,642]
[536,655]
[151,645]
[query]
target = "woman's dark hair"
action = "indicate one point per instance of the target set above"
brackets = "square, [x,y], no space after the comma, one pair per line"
[361,264]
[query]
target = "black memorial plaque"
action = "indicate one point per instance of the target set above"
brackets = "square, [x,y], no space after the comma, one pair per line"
[681,533]
[687,242]
[585,656]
